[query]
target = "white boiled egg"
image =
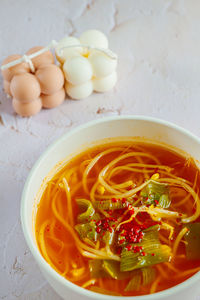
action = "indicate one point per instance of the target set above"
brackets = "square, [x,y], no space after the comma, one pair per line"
[105,84]
[77,70]
[63,53]
[102,64]
[79,91]
[94,38]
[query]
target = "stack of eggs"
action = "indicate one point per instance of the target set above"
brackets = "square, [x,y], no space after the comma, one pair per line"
[86,68]
[33,90]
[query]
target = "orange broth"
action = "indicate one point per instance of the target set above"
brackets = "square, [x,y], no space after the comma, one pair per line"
[60,247]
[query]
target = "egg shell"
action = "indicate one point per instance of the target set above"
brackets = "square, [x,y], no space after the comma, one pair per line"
[94,38]
[65,53]
[25,87]
[51,79]
[53,100]
[77,70]
[105,84]
[45,58]
[6,87]
[102,64]
[17,69]
[79,91]
[27,109]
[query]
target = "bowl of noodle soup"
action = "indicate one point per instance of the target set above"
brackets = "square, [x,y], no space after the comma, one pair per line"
[112,210]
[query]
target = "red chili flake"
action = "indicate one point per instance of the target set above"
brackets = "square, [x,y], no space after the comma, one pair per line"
[180,215]
[122,241]
[156,202]
[98,230]
[103,233]
[114,200]
[113,226]
[137,230]
[98,223]
[60,262]
[152,254]
[129,247]
[136,249]
[143,253]
[110,229]
[123,200]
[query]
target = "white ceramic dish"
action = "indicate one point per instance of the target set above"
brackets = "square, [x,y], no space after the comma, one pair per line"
[70,143]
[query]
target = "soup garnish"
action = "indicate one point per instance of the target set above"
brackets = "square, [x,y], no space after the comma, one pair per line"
[122,218]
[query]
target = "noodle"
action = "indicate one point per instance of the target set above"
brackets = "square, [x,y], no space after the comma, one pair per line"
[155,285]
[193,194]
[81,245]
[178,239]
[93,162]
[88,283]
[135,196]
[69,201]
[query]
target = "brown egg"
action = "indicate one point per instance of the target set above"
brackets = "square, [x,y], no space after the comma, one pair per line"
[51,79]
[6,86]
[25,87]
[27,109]
[45,58]
[53,100]
[17,69]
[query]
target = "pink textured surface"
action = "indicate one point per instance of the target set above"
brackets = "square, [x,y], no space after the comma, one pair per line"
[158,75]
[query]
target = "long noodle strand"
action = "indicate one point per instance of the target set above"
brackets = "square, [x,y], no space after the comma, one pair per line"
[178,239]
[155,285]
[69,201]
[93,162]
[193,194]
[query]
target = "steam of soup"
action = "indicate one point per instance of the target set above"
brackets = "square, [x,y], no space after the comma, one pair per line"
[122,218]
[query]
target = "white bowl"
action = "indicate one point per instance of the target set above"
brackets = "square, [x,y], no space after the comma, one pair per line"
[72,142]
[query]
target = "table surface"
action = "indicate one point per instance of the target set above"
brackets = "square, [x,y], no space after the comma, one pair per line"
[158,75]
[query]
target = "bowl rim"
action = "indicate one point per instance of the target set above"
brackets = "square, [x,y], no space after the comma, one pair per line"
[33,247]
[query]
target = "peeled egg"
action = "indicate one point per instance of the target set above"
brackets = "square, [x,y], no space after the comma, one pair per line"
[53,100]
[45,58]
[102,64]
[64,53]
[6,86]
[51,79]
[94,38]
[27,109]
[105,84]
[25,87]
[77,70]
[17,69]
[79,91]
